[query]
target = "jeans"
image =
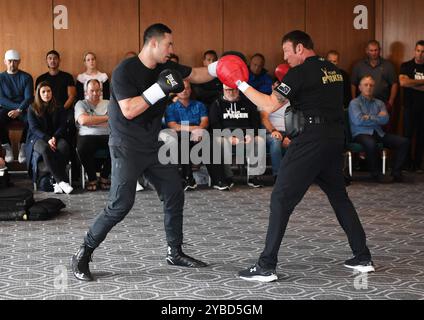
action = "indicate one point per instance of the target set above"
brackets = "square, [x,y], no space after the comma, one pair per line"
[276,151]
[87,147]
[391,141]
[55,160]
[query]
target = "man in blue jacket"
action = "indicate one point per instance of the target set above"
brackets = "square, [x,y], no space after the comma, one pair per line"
[258,75]
[367,115]
[16,95]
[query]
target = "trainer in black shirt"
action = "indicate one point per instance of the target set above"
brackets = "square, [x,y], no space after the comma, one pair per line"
[314,86]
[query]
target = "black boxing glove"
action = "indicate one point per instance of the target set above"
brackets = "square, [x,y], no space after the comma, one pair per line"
[169,81]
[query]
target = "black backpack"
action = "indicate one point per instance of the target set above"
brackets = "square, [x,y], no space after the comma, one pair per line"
[4,179]
[45,209]
[14,203]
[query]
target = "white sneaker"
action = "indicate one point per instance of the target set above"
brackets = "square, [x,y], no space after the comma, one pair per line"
[22,156]
[66,187]
[57,189]
[139,187]
[9,152]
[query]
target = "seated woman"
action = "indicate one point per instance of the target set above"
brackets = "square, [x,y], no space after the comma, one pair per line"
[93,134]
[91,72]
[46,131]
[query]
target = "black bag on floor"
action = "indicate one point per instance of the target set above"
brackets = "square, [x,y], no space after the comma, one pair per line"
[14,203]
[45,209]
[4,178]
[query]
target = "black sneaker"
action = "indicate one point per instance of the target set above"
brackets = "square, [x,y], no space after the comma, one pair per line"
[398,178]
[176,257]
[190,184]
[254,183]
[358,265]
[220,185]
[377,177]
[257,273]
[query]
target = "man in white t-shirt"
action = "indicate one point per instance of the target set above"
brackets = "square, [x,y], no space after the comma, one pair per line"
[93,134]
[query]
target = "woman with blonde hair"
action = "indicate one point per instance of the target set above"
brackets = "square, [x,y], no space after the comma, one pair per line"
[91,72]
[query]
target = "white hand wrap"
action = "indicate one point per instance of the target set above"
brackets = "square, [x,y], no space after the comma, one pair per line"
[212,69]
[153,94]
[242,86]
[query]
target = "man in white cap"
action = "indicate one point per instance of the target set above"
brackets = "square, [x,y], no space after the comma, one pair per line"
[16,95]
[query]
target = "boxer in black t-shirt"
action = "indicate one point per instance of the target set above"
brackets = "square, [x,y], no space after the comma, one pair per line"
[140,86]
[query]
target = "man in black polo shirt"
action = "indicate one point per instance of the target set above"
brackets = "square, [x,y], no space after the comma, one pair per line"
[411,78]
[315,87]
[140,86]
[382,71]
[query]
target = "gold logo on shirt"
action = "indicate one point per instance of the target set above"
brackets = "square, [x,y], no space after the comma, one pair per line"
[331,76]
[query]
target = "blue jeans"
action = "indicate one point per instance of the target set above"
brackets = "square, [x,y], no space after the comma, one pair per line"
[397,143]
[277,152]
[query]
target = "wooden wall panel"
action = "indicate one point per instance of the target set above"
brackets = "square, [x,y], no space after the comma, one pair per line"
[196,25]
[403,26]
[252,27]
[112,27]
[109,28]
[330,23]
[21,22]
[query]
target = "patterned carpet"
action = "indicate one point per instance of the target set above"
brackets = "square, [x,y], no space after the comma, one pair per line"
[227,230]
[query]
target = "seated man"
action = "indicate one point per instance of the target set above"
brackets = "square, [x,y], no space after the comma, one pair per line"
[93,134]
[189,116]
[210,91]
[16,95]
[258,75]
[64,91]
[233,111]
[367,115]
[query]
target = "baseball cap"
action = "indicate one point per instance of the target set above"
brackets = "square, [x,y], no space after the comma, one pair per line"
[12,55]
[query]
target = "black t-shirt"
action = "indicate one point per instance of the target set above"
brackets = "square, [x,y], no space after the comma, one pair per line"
[208,92]
[130,79]
[316,88]
[347,91]
[59,83]
[241,114]
[413,98]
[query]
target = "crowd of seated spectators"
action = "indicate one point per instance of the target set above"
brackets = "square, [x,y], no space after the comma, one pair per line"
[68,119]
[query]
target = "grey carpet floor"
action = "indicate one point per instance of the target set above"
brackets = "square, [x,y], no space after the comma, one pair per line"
[227,230]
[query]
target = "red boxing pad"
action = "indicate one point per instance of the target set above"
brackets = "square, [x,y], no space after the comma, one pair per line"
[231,69]
[281,71]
